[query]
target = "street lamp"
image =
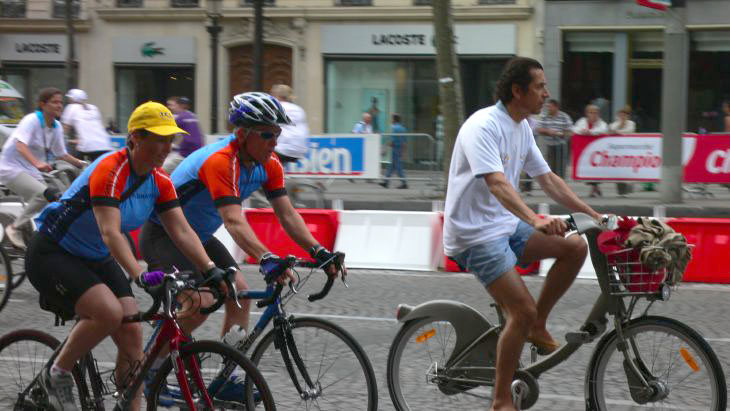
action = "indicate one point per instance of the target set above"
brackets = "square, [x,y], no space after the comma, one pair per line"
[214,11]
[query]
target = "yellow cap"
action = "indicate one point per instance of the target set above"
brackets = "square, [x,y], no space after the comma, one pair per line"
[155,118]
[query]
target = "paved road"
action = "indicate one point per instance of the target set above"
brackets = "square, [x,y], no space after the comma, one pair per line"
[367,310]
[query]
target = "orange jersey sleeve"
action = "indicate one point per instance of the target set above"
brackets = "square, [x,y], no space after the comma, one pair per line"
[220,174]
[274,185]
[107,181]
[168,195]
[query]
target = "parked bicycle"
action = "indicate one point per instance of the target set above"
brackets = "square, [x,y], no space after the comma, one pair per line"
[445,353]
[196,364]
[310,363]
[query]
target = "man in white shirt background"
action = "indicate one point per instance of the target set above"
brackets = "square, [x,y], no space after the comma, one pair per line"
[293,143]
[85,122]
[488,228]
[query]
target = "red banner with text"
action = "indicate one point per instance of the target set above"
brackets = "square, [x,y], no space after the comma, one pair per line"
[638,157]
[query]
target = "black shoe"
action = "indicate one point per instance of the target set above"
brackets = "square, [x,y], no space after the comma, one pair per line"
[402,186]
[384,184]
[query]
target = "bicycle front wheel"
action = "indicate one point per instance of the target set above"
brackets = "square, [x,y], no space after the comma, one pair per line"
[339,371]
[210,357]
[6,279]
[679,365]
[23,355]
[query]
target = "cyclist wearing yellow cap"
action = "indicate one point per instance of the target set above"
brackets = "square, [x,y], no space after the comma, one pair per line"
[76,259]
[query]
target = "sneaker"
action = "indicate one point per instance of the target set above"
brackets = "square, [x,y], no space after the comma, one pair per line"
[233,390]
[60,390]
[167,396]
[15,236]
[403,186]
[384,184]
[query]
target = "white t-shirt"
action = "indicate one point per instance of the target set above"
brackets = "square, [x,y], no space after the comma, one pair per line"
[489,141]
[88,126]
[294,140]
[43,142]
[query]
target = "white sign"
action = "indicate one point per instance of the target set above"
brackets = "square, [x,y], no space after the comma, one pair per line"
[153,50]
[416,39]
[336,155]
[33,47]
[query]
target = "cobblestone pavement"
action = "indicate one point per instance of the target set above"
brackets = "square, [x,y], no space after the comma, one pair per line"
[368,307]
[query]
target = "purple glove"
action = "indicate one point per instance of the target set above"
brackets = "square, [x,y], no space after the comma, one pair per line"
[150,278]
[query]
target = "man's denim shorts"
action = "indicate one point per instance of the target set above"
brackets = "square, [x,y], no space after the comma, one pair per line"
[489,260]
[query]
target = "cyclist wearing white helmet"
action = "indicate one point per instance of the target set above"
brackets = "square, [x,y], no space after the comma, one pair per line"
[212,183]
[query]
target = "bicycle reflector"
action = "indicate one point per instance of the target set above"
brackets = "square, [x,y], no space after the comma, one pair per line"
[689,359]
[425,336]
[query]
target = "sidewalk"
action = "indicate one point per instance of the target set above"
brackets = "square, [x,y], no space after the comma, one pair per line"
[423,190]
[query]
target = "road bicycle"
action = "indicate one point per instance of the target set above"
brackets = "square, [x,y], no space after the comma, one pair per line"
[193,366]
[308,362]
[444,354]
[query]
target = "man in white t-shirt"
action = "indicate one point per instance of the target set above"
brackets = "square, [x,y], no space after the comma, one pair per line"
[92,139]
[293,143]
[489,229]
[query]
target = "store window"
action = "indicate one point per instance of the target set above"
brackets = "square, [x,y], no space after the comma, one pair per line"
[709,80]
[29,80]
[135,85]
[587,73]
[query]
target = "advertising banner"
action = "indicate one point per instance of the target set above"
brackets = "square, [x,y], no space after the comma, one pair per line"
[638,157]
[340,156]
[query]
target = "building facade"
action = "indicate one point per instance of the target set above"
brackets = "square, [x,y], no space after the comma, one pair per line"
[611,51]
[342,57]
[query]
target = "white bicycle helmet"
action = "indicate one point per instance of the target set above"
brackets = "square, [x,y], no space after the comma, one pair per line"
[256,108]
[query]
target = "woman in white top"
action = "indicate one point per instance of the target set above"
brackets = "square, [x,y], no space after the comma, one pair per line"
[84,119]
[591,125]
[623,125]
[36,141]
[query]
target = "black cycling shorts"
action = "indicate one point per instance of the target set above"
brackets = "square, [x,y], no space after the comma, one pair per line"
[62,278]
[161,253]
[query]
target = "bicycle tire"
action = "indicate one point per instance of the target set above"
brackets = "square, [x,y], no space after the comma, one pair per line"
[6,279]
[313,332]
[693,348]
[411,358]
[224,354]
[21,364]
[14,257]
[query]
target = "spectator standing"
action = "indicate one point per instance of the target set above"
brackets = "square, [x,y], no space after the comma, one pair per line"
[84,121]
[591,125]
[623,125]
[553,127]
[293,142]
[364,126]
[188,121]
[398,146]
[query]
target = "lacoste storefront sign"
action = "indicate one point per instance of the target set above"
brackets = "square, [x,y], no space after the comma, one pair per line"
[154,50]
[33,47]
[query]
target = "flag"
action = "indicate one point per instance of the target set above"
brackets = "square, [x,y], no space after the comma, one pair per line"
[662,5]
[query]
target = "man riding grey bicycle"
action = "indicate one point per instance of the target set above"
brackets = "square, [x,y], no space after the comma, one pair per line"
[489,229]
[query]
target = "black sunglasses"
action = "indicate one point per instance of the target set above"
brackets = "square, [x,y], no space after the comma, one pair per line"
[266,135]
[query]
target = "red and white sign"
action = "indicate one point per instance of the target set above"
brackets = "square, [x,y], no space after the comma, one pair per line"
[638,157]
[655,4]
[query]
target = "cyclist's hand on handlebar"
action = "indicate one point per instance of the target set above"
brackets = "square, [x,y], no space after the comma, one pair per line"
[551,226]
[275,268]
[150,281]
[44,167]
[322,256]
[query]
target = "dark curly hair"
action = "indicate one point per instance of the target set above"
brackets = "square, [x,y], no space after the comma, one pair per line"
[517,71]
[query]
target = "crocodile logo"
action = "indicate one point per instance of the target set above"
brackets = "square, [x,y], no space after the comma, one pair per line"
[149,50]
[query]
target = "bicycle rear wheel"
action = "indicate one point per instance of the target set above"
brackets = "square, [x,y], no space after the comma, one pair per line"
[23,355]
[415,370]
[678,363]
[210,357]
[340,371]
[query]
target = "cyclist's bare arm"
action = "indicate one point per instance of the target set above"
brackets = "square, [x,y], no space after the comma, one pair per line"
[555,188]
[185,238]
[109,220]
[511,200]
[292,222]
[25,152]
[242,233]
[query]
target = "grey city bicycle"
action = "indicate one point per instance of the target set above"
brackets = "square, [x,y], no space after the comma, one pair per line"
[445,353]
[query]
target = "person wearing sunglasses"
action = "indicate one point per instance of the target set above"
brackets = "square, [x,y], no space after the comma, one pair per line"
[212,183]
[78,257]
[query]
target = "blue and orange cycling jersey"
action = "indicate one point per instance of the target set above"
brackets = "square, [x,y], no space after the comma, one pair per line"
[71,222]
[213,176]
